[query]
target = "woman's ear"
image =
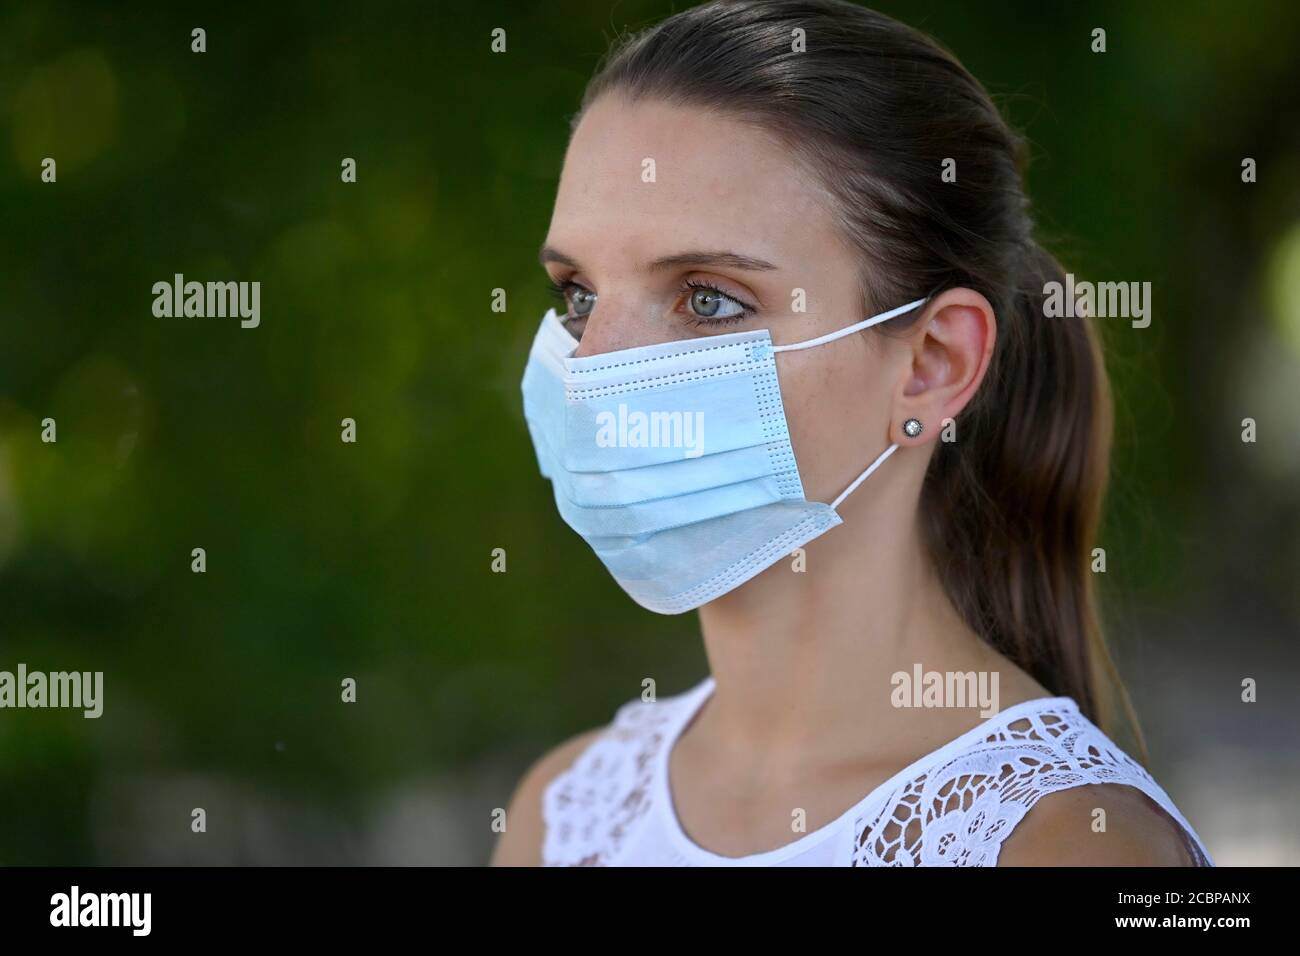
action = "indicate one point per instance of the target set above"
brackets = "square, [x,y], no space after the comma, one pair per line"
[950,347]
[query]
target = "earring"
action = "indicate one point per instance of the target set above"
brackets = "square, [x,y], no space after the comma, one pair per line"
[912,427]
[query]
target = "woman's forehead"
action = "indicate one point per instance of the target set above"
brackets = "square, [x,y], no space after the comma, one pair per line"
[697,178]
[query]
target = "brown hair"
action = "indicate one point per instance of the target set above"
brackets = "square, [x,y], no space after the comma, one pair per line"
[874,108]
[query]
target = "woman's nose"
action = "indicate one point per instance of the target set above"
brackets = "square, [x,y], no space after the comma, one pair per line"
[611,328]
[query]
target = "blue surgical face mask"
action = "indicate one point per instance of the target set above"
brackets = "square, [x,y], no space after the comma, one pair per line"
[673,461]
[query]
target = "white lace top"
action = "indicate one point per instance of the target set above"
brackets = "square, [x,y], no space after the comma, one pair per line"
[953,807]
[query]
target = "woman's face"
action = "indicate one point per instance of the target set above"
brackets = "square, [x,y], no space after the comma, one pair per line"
[671,222]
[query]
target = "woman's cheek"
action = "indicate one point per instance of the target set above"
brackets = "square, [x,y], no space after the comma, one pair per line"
[838,420]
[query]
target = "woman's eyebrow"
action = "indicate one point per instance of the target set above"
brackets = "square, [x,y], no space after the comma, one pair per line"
[732,259]
[551,254]
[694,258]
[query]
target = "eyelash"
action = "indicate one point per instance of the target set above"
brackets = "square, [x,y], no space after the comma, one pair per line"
[561,292]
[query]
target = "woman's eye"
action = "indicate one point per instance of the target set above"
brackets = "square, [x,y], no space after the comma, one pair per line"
[581,301]
[578,303]
[707,303]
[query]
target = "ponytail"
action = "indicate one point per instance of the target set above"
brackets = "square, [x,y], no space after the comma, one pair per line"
[1014,504]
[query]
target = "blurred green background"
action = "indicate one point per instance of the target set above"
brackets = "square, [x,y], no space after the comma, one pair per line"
[372,560]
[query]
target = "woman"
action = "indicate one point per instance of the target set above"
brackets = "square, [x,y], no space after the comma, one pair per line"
[803,381]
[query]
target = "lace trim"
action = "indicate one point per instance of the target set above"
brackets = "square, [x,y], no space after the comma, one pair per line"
[959,812]
[590,808]
[955,812]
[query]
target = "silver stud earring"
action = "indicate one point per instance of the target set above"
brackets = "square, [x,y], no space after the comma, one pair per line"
[912,427]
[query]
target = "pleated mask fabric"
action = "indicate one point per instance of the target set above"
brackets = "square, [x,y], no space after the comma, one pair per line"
[673,461]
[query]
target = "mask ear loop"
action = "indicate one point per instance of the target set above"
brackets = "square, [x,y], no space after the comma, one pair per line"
[831,337]
[865,475]
[849,329]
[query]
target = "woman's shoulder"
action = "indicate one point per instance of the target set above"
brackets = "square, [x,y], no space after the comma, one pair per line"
[1106,824]
[1089,803]
[585,781]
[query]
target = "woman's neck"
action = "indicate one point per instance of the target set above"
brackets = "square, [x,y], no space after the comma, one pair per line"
[806,651]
